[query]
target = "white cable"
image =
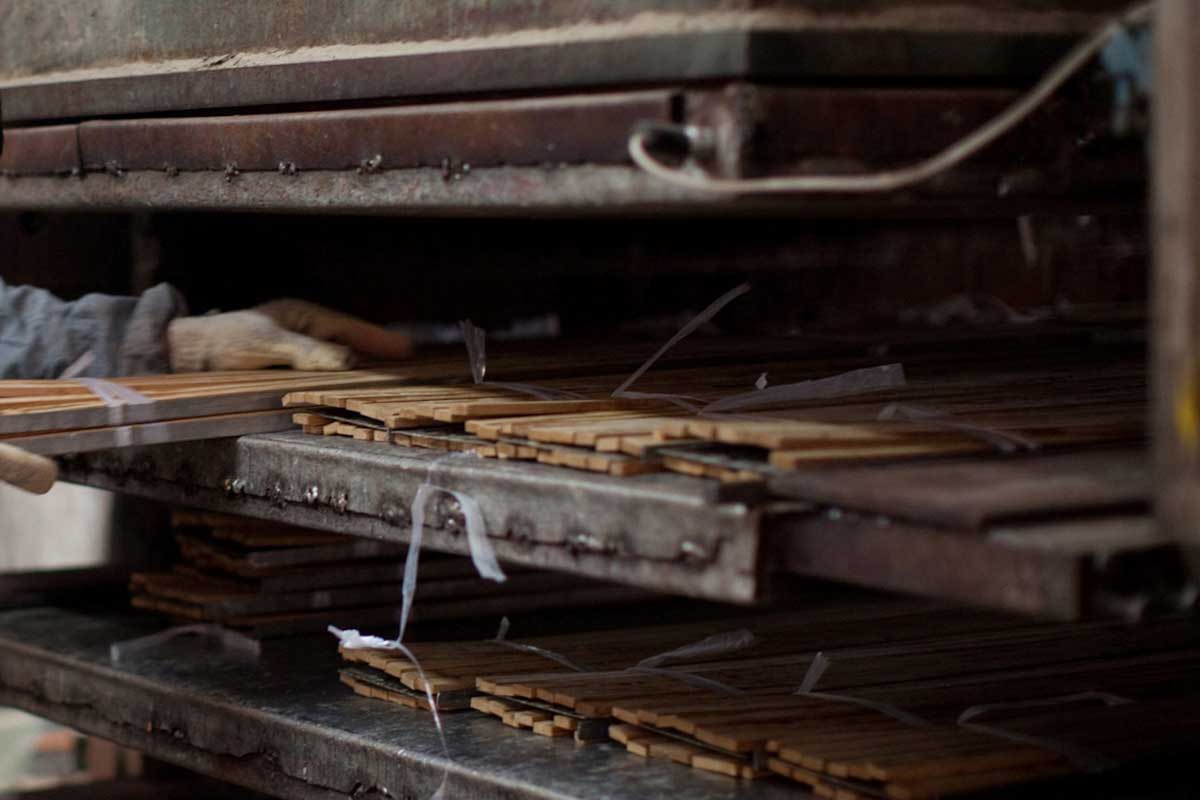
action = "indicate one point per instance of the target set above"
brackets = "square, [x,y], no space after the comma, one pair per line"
[892,180]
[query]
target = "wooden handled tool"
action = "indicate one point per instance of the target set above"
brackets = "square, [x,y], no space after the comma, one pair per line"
[28,471]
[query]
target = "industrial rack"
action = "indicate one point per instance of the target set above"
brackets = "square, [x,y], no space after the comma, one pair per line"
[521,112]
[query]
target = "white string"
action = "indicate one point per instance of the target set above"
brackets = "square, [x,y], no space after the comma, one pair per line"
[813,676]
[231,641]
[701,318]
[475,338]
[559,658]
[892,180]
[690,678]
[483,555]
[353,640]
[1004,441]
[77,367]
[717,644]
[1083,757]
[859,381]
[115,397]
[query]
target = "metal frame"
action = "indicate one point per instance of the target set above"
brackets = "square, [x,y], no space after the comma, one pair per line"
[145,59]
[664,532]
[1176,335]
[285,726]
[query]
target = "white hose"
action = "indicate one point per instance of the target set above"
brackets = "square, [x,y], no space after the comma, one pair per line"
[892,180]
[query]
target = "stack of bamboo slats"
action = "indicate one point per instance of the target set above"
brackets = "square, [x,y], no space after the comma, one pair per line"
[1026,399]
[272,579]
[885,684]
[53,417]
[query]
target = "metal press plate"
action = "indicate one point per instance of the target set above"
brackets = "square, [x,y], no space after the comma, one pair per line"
[62,59]
[665,532]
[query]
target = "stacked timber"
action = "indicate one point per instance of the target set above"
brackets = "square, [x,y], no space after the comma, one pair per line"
[831,409]
[271,580]
[875,699]
[54,417]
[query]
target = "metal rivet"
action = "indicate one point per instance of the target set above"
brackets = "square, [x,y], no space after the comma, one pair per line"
[370,165]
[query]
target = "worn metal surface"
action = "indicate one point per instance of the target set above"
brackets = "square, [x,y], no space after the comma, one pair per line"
[53,149]
[287,727]
[1069,569]
[968,494]
[46,36]
[138,58]
[878,126]
[516,191]
[589,128]
[663,532]
[499,190]
[887,555]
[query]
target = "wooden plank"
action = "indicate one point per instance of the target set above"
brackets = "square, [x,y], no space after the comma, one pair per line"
[180,396]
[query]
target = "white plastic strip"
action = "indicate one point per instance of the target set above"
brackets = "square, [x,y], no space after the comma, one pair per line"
[690,678]
[483,554]
[114,394]
[718,644]
[411,561]
[353,640]
[116,397]
[691,404]
[1004,441]
[558,658]
[540,392]
[859,381]
[701,318]
[231,641]
[1082,757]
[78,366]
[475,339]
[817,669]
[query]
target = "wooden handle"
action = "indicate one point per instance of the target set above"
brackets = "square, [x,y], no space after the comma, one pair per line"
[28,471]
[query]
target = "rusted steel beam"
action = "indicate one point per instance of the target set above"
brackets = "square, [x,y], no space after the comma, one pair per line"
[929,561]
[691,49]
[1066,568]
[40,151]
[578,129]
[44,36]
[509,190]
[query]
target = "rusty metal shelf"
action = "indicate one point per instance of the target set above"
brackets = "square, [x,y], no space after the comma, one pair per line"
[135,58]
[665,532]
[287,727]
